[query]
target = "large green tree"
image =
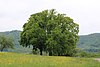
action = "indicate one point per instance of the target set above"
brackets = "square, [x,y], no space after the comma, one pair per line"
[50,31]
[6,42]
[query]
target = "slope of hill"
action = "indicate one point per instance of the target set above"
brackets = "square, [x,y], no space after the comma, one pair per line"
[15,34]
[89,43]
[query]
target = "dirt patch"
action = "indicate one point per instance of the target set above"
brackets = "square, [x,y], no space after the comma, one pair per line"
[98,59]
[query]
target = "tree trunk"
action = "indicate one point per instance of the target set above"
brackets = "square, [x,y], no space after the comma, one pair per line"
[50,53]
[41,49]
[41,52]
[58,54]
[2,49]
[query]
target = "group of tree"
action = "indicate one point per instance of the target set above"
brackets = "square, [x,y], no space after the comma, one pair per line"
[51,32]
[6,42]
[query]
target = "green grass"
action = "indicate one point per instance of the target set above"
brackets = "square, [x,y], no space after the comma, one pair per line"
[28,60]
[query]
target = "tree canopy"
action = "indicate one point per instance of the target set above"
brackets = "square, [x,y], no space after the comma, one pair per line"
[6,42]
[50,31]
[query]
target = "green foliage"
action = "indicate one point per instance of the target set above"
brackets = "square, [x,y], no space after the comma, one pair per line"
[86,43]
[6,42]
[50,31]
[87,54]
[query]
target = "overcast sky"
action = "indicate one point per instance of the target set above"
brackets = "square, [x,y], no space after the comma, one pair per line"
[14,13]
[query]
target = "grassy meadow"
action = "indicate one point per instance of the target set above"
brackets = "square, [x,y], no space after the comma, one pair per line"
[28,60]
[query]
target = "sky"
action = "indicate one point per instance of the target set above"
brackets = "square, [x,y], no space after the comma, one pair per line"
[14,13]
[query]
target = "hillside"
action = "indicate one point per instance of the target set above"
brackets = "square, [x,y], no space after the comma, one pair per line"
[89,43]
[15,34]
